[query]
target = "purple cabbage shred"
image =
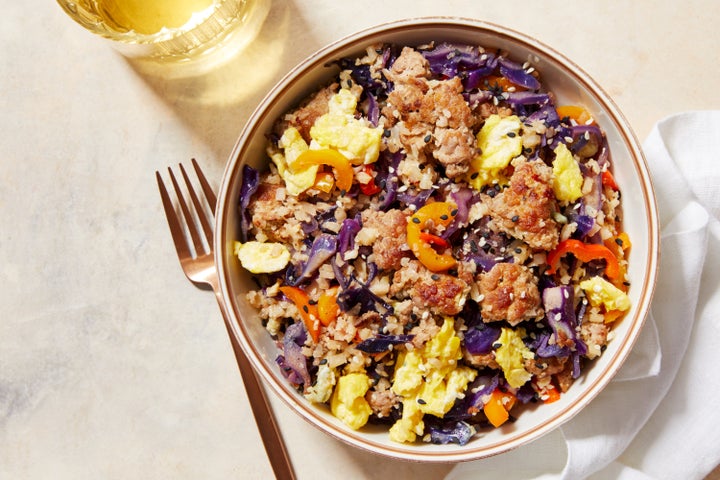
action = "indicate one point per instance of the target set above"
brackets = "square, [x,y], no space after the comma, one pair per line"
[293,363]
[382,343]
[250,184]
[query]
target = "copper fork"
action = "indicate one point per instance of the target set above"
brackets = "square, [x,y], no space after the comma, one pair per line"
[198,262]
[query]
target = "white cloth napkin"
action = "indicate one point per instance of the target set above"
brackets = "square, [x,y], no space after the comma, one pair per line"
[659,417]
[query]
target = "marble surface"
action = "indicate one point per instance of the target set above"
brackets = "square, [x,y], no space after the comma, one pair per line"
[112,365]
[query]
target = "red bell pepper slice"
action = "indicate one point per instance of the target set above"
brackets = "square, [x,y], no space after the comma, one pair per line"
[584,252]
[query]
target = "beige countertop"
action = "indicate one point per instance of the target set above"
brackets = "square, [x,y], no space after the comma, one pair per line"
[111,364]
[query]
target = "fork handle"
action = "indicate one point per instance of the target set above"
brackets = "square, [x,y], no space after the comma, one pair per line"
[269,431]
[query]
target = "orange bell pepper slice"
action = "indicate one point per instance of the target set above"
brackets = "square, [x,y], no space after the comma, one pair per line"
[552,394]
[503,83]
[497,409]
[340,164]
[327,306]
[577,113]
[429,216]
[584,252]
[608,180]
[619,245]
[308,311]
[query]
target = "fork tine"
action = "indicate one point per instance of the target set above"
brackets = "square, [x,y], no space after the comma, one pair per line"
[199,210]
[189,221]
[176,230]
[207,189]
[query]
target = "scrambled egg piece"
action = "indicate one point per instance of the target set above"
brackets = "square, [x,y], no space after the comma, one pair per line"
[348,401]
[567,177]
[260,257]
[340,130]
[601,292]
[296,181]
[511,356]
[499,141]
[429,381]
[322,389]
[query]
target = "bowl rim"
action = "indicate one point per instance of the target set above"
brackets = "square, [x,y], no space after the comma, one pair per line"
[641,308]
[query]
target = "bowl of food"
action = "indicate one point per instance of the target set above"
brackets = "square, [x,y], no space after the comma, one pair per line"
[437,239]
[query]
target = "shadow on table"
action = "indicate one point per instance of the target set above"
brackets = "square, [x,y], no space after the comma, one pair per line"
[217,103]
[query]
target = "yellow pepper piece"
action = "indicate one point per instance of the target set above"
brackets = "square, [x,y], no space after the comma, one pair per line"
[341,165]
[429,216]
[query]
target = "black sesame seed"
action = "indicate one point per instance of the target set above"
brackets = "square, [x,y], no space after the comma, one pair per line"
[619,241]
[444,217]
[491,192]
[415,220]
[427,138]
[305,309]
[421,401]
[454,212]
[518,250]
[515,218]
[435,276]
[511,134]
[474,176]
[323,361]
[342,193]
[312,302]
[497,345]
[387,132]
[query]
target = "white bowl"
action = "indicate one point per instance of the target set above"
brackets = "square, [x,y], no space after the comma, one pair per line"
[571,86]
